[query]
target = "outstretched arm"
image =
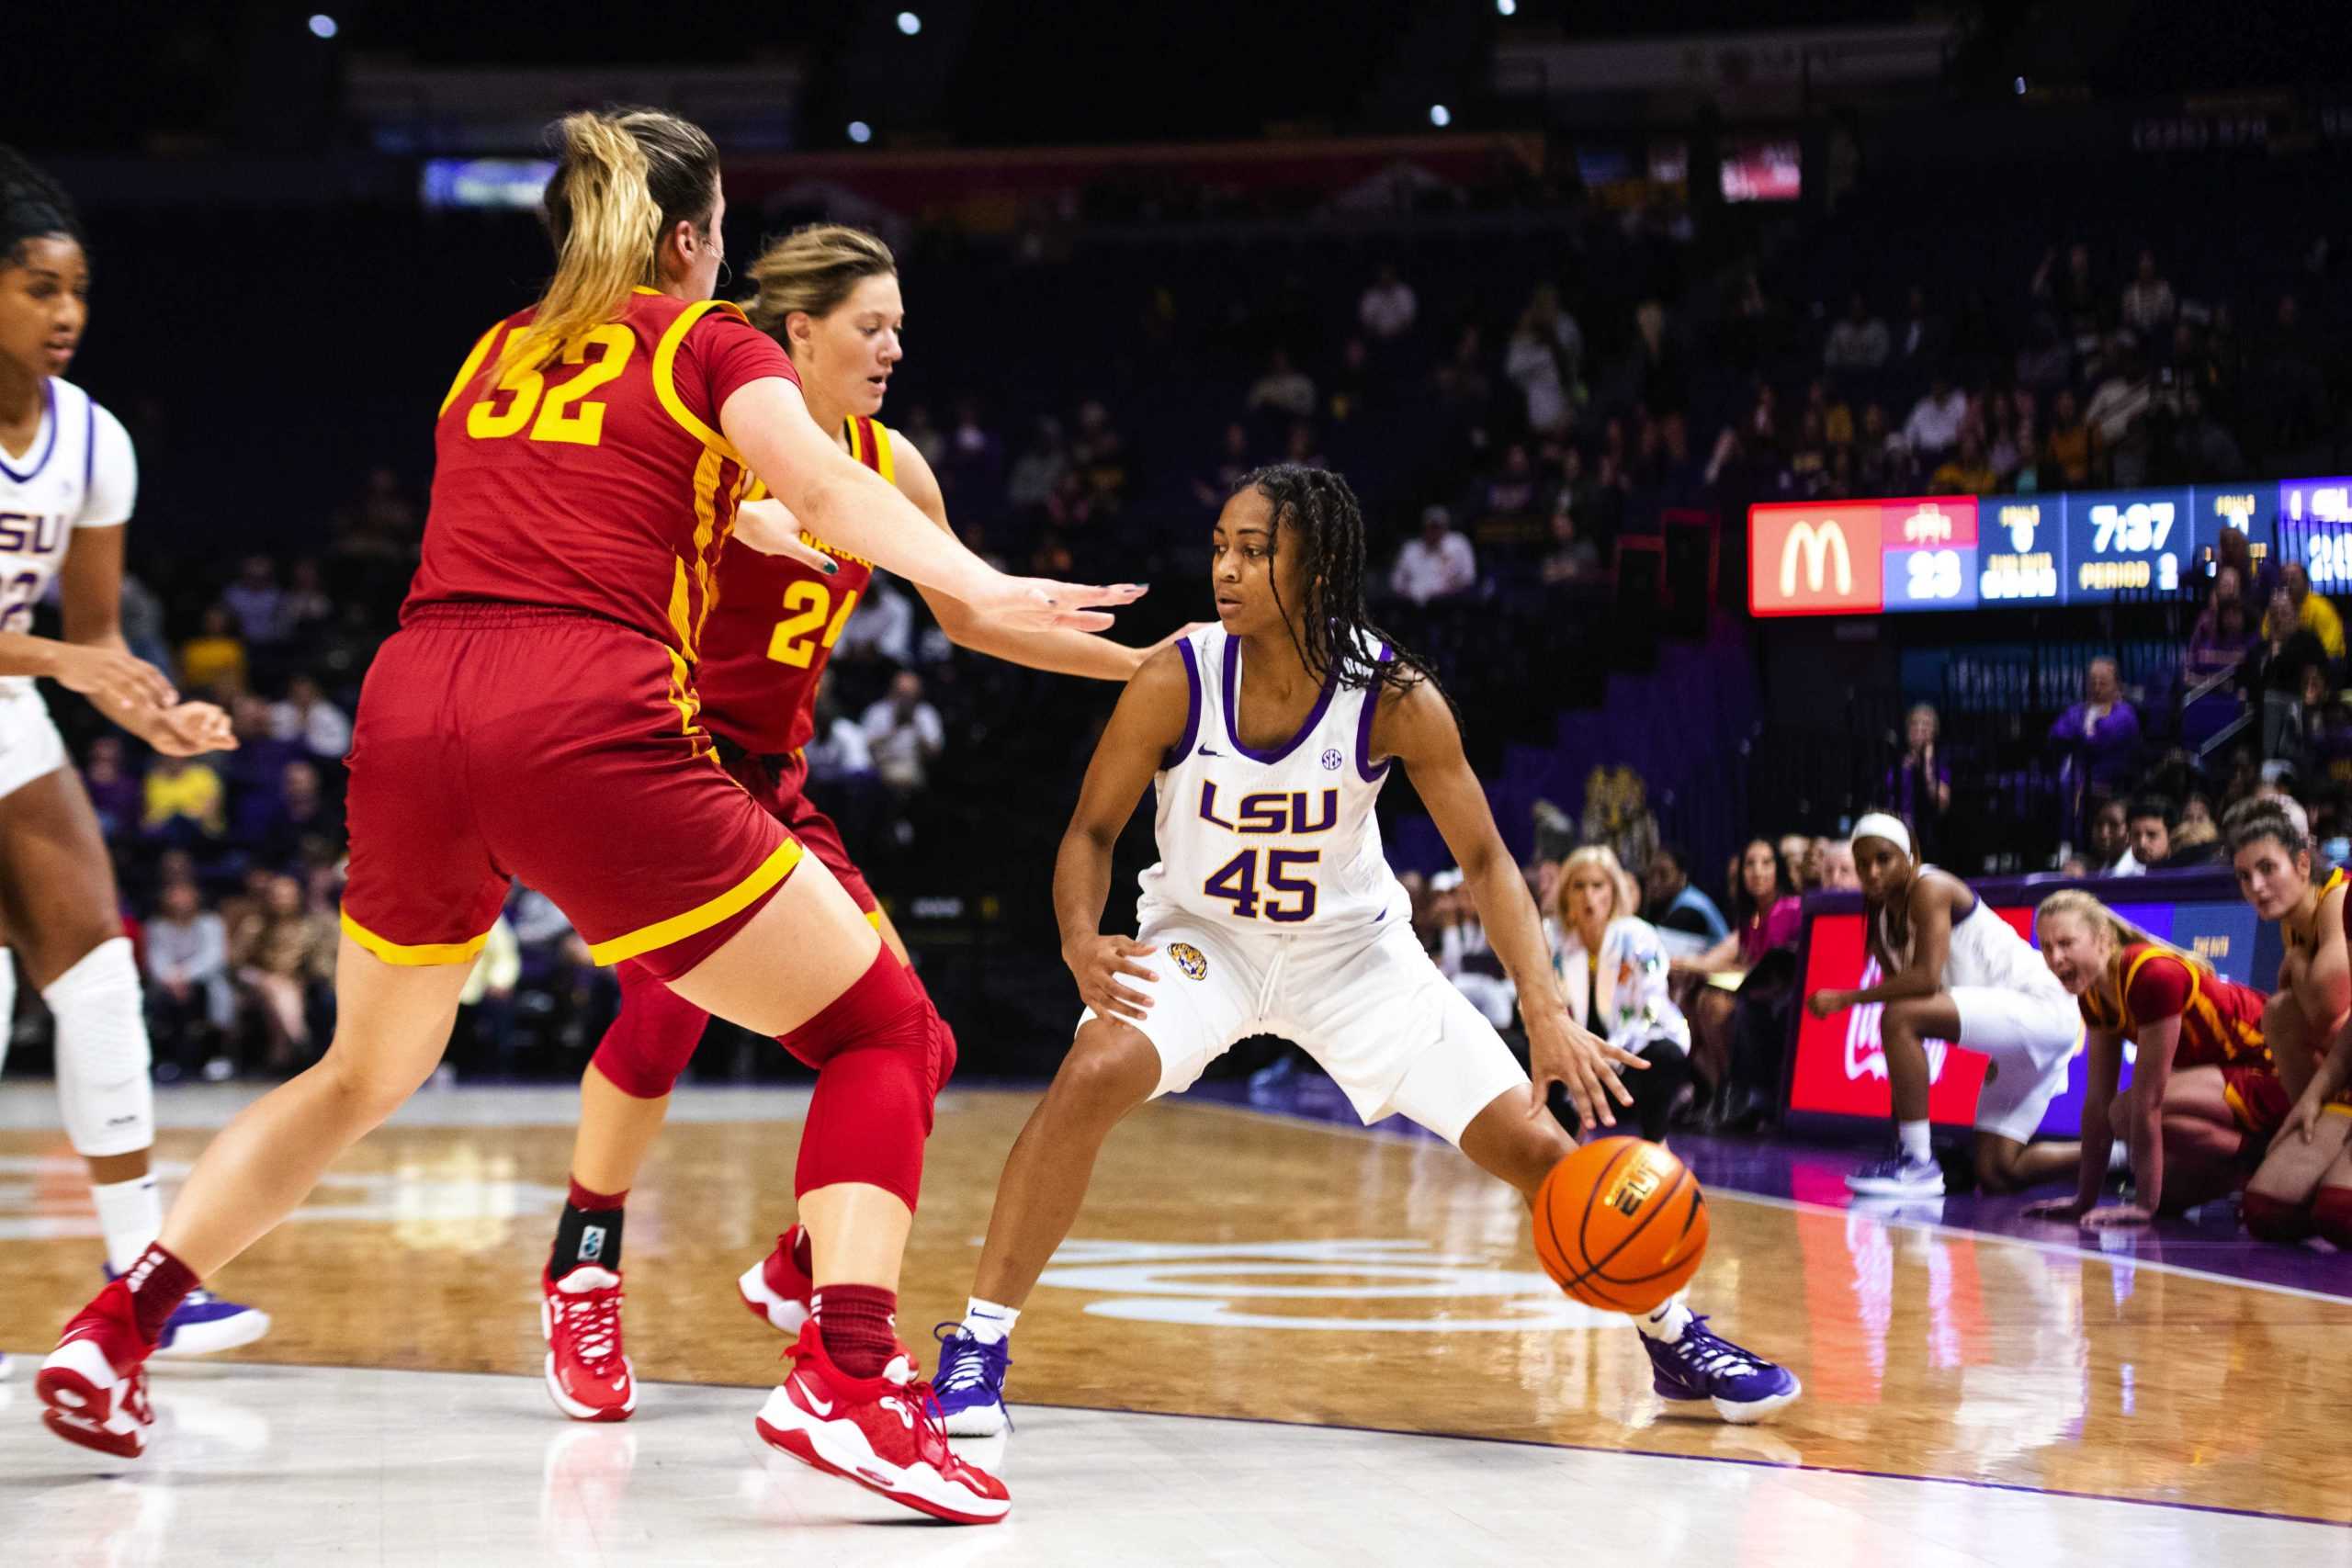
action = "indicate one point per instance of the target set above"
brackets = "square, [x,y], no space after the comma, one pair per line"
[95,660]
[1930,941]
[1149,720]
[1417,728]
[2102,1067]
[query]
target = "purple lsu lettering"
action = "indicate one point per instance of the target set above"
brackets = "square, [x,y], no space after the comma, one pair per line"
[30,533]
[1274,811]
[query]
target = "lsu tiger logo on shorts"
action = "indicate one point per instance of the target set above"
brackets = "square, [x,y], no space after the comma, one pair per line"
[1190,959]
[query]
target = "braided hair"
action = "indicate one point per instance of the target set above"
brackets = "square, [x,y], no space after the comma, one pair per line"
[32,205]
[1339,631]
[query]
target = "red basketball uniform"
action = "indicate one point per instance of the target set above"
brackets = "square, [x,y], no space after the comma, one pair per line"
[765,649]
[2220,1025]
[535,715]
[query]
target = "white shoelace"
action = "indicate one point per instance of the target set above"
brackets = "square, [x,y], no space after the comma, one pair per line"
[595,1326]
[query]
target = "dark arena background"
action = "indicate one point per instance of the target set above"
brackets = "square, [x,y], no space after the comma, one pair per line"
[1762,416]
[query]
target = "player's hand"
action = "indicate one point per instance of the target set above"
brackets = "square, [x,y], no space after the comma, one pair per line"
[1097,963]
[2117,1216]
[188,730]
[2302,1120]
[1561,1050]
[768,526]
[2057,1209]
[1821,1004]
[1039,604]
[118,682]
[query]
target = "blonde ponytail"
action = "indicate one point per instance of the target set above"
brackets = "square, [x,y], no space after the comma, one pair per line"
[622,177]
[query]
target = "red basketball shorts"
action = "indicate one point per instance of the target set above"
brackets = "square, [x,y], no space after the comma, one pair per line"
[497,741]
[777,783]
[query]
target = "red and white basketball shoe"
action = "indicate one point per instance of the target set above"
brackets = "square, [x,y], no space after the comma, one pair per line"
[94,1383]
[587,1375]
[882,1432]
[776,1288]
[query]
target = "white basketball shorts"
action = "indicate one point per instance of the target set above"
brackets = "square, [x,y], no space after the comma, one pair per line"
[1369,1006]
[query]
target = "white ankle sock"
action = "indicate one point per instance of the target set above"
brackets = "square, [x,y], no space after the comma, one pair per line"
[1915,1140]
[129,1212]
[1666,1324]
[987,1322]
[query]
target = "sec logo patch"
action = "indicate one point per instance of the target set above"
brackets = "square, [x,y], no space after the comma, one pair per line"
[1331,761]
[1190,959]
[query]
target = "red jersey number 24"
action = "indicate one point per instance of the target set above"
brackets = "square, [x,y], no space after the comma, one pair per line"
[563,411]
[812,623]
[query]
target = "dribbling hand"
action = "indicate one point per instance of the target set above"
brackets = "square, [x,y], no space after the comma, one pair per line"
[1561,1050]
[1096,963]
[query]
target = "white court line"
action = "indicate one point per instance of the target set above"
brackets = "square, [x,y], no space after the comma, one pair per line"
[1801,1206]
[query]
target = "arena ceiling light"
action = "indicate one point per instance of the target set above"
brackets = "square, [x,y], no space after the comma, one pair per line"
[909,24]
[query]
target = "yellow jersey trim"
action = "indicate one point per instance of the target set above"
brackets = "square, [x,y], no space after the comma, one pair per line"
[703,915]
[413,955]
[665,386]
[466,371]
[886,462]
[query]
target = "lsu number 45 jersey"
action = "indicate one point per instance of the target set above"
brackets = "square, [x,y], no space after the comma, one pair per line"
[1270,843]
[78,473]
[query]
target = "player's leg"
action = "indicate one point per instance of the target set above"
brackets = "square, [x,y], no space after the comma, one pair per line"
[2030,1038]
[2332,1205]
[2294,1043]
[2205,1142]
[2279,1197]
[1904,1029]
[1203,993]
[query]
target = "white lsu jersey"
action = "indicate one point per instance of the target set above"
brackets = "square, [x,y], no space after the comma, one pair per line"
[1270,843]
[78,473]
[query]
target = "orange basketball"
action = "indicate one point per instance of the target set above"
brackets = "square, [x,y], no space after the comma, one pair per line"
[1620,1224]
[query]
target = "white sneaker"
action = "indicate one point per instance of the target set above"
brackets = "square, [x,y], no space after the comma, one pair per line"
[1900,1177]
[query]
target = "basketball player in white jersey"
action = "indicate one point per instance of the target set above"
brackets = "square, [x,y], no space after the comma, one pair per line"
[1273,911]
[67,482]
[1956,971]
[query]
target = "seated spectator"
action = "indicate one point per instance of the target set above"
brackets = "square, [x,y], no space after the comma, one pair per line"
[256,603]
[2196,838]
[279,953]
[1040,465]
[2222,637]
[213,662]
[1918,786]
[308,718]
[1513,490]
[1858,340]
[1436,565]
[1882,463]
[1922,338]
[1795,850]
[2149,820]
[1768,915]
[2111,848]
[114,791]
[884,627]
[2314,611]
[1672,904]
[184,803]
[185,948]
[1809,460]
[301,812]
[2117,416]
[1388,307]
[1838,873]
[1464,954]
[2148,305]
[1933,428]
[1285,388]
[2066,449]
[1099,454]
[2098,738]
[1572,557]
[905,734]
[1836,414]
[1613,967]
[1967,472]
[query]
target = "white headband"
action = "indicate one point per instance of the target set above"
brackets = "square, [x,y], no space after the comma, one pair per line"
[1878,825]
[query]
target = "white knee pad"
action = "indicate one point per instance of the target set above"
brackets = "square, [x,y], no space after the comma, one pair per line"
[7,1003]
[102,1053]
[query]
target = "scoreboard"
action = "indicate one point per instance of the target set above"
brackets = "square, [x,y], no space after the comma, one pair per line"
[2072,547]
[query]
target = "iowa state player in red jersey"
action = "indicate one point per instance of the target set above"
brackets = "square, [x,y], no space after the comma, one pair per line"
[829,295]
[535,717]
[2204,1097]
